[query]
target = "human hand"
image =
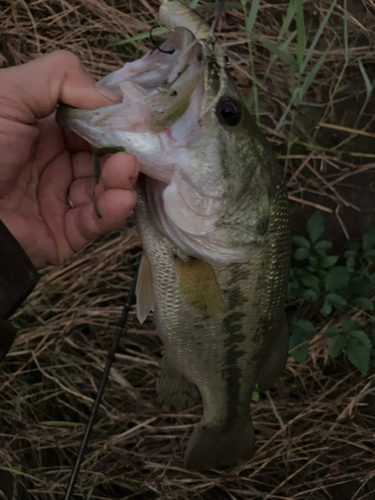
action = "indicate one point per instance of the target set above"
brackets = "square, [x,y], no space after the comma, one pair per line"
[42,166]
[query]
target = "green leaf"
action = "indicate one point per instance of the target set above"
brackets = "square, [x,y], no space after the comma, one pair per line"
[350,325]
[310,295]
[329,260]
[301,254]
[322,246]
[326,309]
[255,396]
[350,253]
[309,280]
[300,354]
[360,285]
[305,327]
[111,150]
[301,331]
[354,246]
[358,348]
[313,263]
[336,345]
[301,242]
[96,209]
[350,262]
[315,226]
[337,277]
[337,301]
[330,332]
[363,303]
[96,166]
[368,240]
[369,255]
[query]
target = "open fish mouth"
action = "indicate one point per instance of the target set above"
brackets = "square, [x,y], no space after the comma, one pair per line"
[156,91]
[171,120]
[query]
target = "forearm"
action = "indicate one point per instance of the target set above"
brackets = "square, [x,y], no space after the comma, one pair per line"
[18,277]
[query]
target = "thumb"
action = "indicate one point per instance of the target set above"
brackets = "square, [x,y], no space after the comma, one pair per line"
[34,89]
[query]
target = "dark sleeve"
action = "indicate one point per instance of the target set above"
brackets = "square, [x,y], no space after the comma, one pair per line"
[18,277]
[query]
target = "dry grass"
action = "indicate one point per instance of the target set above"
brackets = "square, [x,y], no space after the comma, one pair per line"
[315,430]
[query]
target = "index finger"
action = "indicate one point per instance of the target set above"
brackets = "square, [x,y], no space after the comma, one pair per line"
[32,90]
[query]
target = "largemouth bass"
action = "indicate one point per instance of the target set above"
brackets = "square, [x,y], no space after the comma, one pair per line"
[213,218]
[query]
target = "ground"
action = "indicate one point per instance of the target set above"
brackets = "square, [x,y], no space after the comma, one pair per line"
[315,429]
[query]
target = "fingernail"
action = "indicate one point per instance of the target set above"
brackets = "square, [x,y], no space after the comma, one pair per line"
[108,93]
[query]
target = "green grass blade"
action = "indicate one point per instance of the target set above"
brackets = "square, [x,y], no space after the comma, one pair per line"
[283,46]
[317,37]
[369,87]
[141,36]
[369,90]
[295,97]
[291,12]
[282,54]
[250,21]
[346,36]
[224,6]
[310,77]
[301,32]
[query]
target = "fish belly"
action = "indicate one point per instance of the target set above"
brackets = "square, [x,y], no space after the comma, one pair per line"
[216,342]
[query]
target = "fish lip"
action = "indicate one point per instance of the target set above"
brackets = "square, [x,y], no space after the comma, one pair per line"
[65,114]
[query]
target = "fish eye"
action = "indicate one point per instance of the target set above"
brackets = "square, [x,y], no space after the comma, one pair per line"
[229,111]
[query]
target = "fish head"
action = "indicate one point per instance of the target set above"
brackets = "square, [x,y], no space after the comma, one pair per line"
[181,115]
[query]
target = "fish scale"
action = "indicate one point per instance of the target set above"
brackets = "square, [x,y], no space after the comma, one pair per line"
[213,219]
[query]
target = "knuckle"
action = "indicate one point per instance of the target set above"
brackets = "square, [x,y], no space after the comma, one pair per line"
[66,58]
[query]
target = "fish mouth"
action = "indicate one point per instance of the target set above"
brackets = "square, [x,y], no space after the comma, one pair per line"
[156,91]
[167,119]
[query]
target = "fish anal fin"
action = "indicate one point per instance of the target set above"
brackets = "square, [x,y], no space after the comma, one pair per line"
[175,392]
[198,287]
[144,290]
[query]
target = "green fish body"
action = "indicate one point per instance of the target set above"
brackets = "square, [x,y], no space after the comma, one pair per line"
[213,217]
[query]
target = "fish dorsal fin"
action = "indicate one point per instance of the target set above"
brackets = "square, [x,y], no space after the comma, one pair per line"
[198,286]
[144,290]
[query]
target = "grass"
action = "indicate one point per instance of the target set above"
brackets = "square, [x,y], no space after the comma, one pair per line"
[306,71]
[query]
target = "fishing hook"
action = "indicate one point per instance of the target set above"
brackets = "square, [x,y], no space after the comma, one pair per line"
[157,45]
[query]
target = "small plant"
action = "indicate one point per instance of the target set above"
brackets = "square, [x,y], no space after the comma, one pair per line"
[336,284]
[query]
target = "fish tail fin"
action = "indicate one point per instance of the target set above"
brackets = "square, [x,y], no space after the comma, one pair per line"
[209,448]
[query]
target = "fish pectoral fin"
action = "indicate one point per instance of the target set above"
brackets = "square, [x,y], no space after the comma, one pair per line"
[175,392]
[199,287]
[145,290]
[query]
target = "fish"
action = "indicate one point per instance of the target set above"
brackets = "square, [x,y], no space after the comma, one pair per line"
[213,219]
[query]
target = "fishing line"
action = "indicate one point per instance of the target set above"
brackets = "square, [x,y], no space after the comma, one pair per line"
[157,44]
[218,13]
[103,382]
